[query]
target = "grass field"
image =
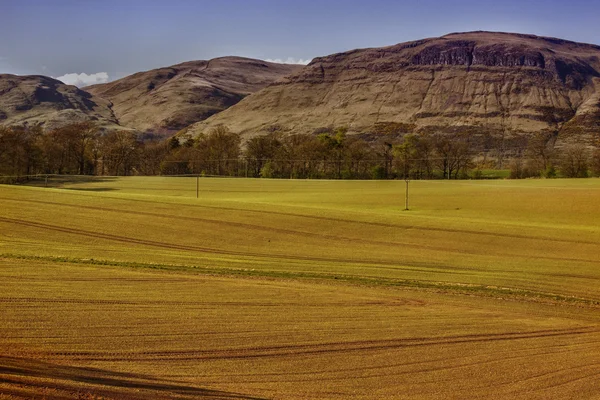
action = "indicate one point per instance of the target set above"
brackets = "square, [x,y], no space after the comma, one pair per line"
[134,288]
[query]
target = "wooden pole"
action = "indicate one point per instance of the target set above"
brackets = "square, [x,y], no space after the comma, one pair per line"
[406,197]
[197,186]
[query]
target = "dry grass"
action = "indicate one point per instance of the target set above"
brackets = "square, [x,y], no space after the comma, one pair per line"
[234,295]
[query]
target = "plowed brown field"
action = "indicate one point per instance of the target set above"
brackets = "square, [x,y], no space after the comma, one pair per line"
[300,290]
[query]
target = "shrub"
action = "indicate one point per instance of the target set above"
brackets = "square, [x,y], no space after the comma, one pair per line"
[378,172]
[267,171]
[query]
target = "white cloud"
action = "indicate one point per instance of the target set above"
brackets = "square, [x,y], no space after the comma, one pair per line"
[83,79]
[289,60]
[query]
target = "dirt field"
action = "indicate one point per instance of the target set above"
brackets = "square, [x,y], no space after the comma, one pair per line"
[133,288]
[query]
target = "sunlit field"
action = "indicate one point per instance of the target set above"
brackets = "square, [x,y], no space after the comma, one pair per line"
[165,287]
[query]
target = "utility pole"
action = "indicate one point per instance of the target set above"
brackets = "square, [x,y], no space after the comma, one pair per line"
[407,180]
[197,185]
[406,197]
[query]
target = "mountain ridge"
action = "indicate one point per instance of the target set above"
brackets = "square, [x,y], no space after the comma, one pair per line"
[161,100]
[507,84]
[41,100]
[513,84]
[170,98]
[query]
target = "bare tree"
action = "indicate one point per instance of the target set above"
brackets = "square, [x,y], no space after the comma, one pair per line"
[151,155]
[262,149]
[540,150]
[19,151]
[119,152]
[220,148]
[595,162]
[573,161]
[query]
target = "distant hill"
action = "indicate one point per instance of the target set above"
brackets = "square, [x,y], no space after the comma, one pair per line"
[168,99]
[502,83]
[40,100]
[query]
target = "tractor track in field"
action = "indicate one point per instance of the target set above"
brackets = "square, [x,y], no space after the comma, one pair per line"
[319,348]
[315,217]
[426,369]
[421,366]
[555,377]
[236,225]
[320,236]
[197,219]
[41,301]
[285,231]
[33,378]
[371,223]
[207,250]
[573,379]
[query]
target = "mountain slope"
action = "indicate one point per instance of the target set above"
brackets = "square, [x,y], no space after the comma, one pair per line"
[171,98]
[493,82]
[36,99]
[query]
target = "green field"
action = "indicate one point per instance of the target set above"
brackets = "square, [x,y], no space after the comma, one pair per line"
[134,288]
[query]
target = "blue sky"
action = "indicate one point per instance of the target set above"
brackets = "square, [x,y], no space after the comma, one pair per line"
[117,38]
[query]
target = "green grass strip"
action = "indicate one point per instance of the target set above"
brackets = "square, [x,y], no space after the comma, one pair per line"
[457,288]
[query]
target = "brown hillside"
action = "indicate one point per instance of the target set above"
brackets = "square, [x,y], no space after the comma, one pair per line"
[171,98]
[495,82]
[40,100]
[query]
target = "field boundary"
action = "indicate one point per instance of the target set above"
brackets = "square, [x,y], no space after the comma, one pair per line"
[489,291]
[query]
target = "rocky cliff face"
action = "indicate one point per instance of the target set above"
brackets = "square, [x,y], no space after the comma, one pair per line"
[508,84]
[39,100]
[169,99]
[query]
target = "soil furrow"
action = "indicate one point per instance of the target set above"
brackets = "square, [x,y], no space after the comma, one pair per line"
[322,348]
[26,300]
[273,256]
[315,217]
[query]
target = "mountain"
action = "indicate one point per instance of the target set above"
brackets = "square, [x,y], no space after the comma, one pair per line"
[498,83]
[34,100]
[168,99]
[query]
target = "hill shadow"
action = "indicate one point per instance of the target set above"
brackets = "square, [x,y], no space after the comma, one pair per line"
[122,385]
[59,181]
[99,189]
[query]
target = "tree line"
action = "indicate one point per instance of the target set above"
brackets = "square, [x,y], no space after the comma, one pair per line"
[82,149]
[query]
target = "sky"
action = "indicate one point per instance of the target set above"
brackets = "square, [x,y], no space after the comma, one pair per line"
[93,41]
